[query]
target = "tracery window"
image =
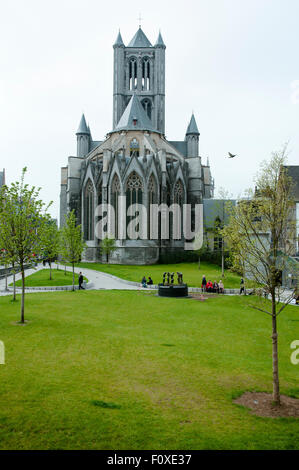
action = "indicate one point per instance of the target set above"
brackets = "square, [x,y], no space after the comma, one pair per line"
[89,211]
[147,106]
[115,192]
[133,73]
[152,199]
[134,188]
[178,198]
[145,85]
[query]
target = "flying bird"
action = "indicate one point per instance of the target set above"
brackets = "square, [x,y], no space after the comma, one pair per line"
[231,155]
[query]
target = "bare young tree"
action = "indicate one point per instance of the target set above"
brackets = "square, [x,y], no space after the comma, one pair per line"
[23,217]
[260,235]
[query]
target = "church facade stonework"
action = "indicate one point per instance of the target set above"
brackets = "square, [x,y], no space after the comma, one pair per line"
[135,160]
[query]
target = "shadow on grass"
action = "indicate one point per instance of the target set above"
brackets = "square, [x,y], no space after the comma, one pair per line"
[104,404]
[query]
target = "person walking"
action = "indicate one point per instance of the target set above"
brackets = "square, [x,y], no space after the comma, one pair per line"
[242,286]
[221,287]
[81,279]
[204,283]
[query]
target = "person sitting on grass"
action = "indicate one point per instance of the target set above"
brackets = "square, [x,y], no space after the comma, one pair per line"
[221,287]
[143,282]
[216,287]
[150,281]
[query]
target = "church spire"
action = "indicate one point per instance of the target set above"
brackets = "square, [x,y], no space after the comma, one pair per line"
[83,129]
[119,41]
[160,42]
[192,128]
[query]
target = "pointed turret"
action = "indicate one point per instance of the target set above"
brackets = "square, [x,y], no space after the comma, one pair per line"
[192,138]
[83,138]
[139,40]
[82,129]
[192,128]
[119,41]
[160,42]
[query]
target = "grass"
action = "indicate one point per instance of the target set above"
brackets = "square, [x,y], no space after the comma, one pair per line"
[42,278]
[129,370]
[192,275]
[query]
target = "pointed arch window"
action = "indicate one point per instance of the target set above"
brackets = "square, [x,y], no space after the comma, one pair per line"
[147,106]
[115,192]
[134,189]
[89,211]
[145,85]
[133,73]
[152,199]
[178,198]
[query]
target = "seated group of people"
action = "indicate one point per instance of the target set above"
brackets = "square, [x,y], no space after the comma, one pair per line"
[146,283]
[209,286]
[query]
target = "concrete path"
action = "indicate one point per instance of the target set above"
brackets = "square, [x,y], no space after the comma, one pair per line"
[97,280]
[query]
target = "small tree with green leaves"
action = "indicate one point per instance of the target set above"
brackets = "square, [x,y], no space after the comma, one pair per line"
[50,244]
[108,247]
[261,234]
[71,242]
[23,217]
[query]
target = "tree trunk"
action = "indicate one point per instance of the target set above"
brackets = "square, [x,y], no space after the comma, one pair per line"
[14,285]
[222,259]
[73,276]
[50,264]
[107,257]
[6,286]
[23,296]
[276,394]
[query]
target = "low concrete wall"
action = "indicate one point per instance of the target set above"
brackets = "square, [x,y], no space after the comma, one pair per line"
[89,285]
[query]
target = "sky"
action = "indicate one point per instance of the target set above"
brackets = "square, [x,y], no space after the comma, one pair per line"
[234,63]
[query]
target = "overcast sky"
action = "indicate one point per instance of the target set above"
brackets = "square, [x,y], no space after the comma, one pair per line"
[233,62]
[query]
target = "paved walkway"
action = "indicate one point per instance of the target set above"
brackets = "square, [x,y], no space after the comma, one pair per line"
[96,279]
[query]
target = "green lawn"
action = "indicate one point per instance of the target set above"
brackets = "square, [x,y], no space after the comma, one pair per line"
[42,278]
[129,370]
[192,275]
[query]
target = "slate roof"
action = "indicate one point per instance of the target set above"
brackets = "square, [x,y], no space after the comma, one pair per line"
[83,129]
[139,40]
[135,118]
[181,146]
[192,128]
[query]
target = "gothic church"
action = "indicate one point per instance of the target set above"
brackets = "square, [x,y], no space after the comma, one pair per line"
[135,160]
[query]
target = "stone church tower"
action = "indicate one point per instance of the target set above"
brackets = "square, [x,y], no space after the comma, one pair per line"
[140,68]
[135,160]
